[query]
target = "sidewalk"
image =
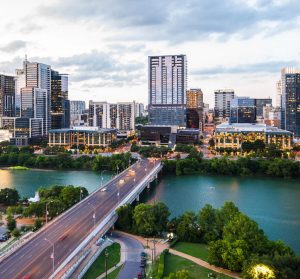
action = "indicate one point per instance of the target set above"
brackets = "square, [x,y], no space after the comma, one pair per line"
[110,270]
[205,264]
[160,247]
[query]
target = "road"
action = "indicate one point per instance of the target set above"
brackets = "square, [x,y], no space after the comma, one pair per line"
[130,253]
[33,259]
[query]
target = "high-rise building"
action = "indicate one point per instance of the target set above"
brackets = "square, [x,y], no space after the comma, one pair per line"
[259,104]
[139,109]
[167,84]
[120,115]
[34,104]
[77,107]
[7,96]
[278,93]
[222,102]
[60,106]
[242,110]
[38,75]
[194,109]
[20,82]
[290,117]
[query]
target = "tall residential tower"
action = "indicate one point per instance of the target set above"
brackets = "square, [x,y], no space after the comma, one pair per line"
[167,84]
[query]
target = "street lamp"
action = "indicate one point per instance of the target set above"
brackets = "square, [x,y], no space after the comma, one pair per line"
[94,215]
[106,255]
[47,211]
[80,197]
[102,176]
[52,255]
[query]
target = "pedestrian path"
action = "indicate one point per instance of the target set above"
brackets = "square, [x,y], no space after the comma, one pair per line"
[160,246]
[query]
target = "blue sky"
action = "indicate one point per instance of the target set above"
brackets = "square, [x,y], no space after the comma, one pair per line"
[104,44]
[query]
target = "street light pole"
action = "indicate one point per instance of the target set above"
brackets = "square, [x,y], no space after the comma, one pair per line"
[94,215]
[52,255]
[106,255]
[47,211]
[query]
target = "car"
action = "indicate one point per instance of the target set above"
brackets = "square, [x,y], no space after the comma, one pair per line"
[103,189]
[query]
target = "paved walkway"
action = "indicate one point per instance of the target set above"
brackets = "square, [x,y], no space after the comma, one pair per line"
[160,246]
[205,264]
[131,249]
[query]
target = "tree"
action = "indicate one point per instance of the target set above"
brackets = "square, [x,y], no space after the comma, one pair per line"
[11,223]
[180,274]
[225,214]
[37,224]
[161,213]
[187,228]
[144,219]
[125,218]
[9,196]
[208,223]
[211,142]
[16,232]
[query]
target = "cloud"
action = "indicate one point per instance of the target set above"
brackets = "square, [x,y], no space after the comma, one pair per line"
[13,46]
[179,21]
[262,67]
[97,68]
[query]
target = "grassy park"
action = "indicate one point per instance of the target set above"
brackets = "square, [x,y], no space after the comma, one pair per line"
[197,250]
[98,267]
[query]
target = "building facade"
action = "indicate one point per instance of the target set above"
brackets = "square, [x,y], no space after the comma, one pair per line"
[243,110]
[120,116]
[7,96]
[260,104]
[77,107]
[60,105]
[86,136]
[233,135]
[194,109]
[167,84]
[290,117]
[222,102]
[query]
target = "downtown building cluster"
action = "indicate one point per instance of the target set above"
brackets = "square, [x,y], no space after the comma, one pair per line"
[32,102]
[178,114]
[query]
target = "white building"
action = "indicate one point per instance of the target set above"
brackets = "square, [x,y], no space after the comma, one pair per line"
[222,102]
[120,115]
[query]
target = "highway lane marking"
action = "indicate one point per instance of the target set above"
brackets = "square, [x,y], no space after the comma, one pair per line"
[105,207]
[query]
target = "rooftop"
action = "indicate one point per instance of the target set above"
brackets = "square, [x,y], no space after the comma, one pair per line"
[85,129]
[248,127]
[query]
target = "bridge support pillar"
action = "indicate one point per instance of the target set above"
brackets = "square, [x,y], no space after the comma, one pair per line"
[148,186]
[138,198]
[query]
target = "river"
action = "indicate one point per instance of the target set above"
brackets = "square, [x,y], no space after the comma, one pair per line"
[273,203]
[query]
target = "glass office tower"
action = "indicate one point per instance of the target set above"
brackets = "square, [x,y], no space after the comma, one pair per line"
[242,110]
[291,100]
[7,96]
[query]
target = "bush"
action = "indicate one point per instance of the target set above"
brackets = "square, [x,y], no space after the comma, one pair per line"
[16,232]
[161,265]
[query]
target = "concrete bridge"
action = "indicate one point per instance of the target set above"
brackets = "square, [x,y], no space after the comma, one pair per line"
[59,248]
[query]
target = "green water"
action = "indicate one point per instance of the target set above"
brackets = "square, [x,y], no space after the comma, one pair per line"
[27,182]
[273,203]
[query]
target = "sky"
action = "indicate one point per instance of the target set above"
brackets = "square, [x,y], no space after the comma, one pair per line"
[104,44]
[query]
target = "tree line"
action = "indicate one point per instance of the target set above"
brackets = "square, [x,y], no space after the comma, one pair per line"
[14,157]
[234,240]
[241,166]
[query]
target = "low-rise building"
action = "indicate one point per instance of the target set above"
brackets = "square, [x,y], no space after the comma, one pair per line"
[87,136]
[234,134]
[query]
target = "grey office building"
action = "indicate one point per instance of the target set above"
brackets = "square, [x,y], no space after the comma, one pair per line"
[260,104]
[167,84]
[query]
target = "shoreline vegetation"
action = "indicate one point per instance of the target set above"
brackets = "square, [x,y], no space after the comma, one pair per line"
[233,240]
[194,164]
[18,168]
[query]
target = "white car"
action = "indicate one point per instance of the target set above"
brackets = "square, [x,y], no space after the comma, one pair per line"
[103,189]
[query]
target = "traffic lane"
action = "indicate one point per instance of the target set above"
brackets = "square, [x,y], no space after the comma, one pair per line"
[55,235]
[67,244]
[96,197]
[132,250]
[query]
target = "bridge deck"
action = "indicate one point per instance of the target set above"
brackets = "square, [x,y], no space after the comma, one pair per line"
[33,259]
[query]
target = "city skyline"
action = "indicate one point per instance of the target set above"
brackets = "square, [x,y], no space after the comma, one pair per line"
[88,41]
